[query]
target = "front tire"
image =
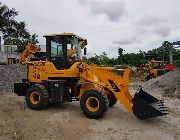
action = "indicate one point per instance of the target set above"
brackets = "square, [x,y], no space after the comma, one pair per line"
[112,100]
[94,103]
[148,77]
[37,97]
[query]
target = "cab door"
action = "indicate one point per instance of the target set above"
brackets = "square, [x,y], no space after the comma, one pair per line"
[57,55]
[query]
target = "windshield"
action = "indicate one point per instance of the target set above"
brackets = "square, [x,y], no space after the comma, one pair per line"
[157,65]
[78,52]
[76,48]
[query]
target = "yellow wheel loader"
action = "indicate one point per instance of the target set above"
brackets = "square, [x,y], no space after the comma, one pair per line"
[60,75]
[156,69]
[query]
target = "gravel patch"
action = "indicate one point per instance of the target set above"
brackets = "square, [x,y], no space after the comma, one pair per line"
[9,74]
[168,84]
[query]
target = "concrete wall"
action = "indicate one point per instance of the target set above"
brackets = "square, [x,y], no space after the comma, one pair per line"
[8,52]
[9,48]
[3,57]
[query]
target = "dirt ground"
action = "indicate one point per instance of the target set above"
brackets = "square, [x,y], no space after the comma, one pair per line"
[66,122]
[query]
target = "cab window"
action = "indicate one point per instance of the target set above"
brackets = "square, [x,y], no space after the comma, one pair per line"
[56,49]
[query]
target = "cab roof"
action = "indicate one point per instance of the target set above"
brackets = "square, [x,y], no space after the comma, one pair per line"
[65,34]
[156,61]
[61,34]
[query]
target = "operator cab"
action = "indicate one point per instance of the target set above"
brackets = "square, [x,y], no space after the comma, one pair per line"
[157,64]
[63,50]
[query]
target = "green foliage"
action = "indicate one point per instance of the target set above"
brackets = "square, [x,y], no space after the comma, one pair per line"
[21,43]
[141,75]
[177,63]
[7,18]
[134,59]
[14,32]
[102,60]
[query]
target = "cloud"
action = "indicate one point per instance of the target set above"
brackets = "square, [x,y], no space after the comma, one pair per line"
[122,42]
[149,24]
[125,41]
[150,20]
[163,31]
[114,10]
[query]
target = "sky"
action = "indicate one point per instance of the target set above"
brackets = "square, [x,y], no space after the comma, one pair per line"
[133,25]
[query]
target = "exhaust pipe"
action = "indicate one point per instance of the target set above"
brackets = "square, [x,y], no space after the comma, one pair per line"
[146,106]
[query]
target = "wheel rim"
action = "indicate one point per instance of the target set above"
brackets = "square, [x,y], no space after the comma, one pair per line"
[35,97]
[92,104]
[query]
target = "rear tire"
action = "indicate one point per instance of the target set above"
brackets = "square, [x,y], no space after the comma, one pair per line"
[37,97]
[94,103]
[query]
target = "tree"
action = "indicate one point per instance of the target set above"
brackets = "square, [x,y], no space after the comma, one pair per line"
[102,60]
[33,39]
[21,43]
[120,57]
[21,31]
[14,32]
[134,59]
[7,19]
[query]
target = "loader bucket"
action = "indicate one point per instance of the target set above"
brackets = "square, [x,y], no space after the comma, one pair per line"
[146,106]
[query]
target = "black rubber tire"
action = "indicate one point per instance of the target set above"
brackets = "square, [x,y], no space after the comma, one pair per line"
[112,100]
[44,97]
[148,77]
[151,76]
[103,103]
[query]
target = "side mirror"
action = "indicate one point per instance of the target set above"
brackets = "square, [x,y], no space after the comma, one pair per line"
[85,49]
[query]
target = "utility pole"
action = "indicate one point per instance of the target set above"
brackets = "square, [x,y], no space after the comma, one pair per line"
[168,46]
[170,56]
[0,43]
[170,52]
[163,55]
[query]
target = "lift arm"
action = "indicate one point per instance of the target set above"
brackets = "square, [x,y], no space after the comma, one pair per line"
[27,54]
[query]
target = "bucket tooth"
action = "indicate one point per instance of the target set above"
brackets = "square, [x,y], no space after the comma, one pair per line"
[165,113]
[161,101]
[163,107]
[165,110]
